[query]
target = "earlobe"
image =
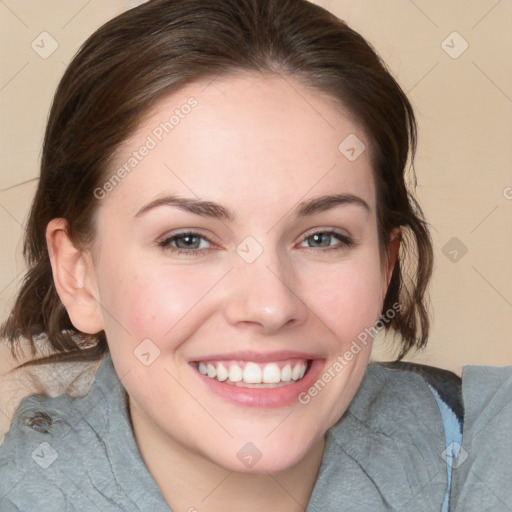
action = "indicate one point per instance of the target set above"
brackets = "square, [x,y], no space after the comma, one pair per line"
[74,278]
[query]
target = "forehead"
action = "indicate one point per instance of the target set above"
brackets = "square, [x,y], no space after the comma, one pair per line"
[244,137]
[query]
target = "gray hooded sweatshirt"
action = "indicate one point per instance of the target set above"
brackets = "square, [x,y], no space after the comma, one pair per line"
[79,454]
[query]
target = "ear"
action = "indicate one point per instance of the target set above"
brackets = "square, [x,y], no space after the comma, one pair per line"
[395,239]
[75,278]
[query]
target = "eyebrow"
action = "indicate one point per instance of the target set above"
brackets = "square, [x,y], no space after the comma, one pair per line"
[189,204]
[217,211]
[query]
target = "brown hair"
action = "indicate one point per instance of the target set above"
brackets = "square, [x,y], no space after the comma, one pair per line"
[146,53]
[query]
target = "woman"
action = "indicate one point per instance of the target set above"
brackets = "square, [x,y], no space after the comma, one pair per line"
[223,220]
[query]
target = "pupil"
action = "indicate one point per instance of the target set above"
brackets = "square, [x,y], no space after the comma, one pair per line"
[319,237]
[186,241]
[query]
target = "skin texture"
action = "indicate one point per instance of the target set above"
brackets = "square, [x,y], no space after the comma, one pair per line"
[258,145]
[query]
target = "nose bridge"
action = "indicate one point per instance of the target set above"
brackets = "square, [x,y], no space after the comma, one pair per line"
[264,288]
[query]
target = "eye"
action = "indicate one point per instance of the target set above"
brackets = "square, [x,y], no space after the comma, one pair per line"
[329,239]
[186,242]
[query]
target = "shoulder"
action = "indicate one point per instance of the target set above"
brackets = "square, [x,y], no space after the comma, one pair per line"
[483,469]
[53,379]
[44,420]
[385,453]
[47,437]
[65,454]
[32,445]
[406,389]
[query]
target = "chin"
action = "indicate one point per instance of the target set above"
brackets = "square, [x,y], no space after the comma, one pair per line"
[260,458]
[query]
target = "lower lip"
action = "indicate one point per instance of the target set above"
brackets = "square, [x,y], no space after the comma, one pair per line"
[264,397]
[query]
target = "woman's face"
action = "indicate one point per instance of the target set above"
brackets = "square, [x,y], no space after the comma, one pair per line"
[241,242]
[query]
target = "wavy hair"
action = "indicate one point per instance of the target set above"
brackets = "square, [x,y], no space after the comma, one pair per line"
[148,52]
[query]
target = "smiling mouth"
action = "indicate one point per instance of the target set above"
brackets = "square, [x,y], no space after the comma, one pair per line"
[249,374]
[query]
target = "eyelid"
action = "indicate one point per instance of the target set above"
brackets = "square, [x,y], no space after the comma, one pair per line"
[184,231]
[327,229]
[165,241]
[161,241]
[344,241]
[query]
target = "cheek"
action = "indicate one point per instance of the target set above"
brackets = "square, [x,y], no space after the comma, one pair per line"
[347,298]
[167,303]
[150,301]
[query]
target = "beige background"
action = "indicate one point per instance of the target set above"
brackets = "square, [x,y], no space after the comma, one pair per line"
[463,104]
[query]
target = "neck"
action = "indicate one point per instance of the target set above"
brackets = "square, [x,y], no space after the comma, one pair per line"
[191,483]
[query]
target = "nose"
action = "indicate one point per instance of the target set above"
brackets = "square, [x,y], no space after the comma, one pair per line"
[264,294]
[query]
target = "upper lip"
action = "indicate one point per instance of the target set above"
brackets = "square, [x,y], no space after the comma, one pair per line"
[251,355]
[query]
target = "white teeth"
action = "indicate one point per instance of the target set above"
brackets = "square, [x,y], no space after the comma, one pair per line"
[253,373]
[212,372]
[235,373]
[271,373]
[296,372]
[222,372]
[286,373]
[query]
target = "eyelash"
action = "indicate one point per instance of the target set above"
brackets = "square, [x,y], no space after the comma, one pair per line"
[345,242]
[165,243]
